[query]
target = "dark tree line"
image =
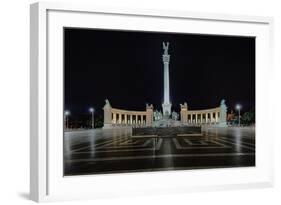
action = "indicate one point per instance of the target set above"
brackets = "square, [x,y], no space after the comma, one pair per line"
[248,118]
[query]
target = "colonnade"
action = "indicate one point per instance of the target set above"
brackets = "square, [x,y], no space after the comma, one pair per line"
[203,117]
[114,117]
[215,115]
[124,117]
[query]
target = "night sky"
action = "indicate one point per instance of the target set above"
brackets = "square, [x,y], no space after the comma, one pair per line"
[126,67]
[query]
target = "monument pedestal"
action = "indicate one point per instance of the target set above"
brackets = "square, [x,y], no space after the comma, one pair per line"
[166,110]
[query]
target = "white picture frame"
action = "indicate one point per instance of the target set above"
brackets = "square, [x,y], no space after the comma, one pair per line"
[46,179]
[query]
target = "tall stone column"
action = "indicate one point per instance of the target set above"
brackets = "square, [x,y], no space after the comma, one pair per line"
[166,106]
[107,121]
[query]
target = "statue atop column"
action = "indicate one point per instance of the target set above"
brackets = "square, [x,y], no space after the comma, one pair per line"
[165,47]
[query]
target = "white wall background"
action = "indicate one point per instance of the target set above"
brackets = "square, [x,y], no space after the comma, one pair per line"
[14,101]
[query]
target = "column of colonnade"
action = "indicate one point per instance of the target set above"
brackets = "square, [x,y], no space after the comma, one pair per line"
[216,116]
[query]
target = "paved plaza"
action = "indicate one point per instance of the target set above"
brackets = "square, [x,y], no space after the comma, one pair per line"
[116,151]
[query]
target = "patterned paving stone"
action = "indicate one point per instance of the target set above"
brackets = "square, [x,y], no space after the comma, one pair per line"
[99,152]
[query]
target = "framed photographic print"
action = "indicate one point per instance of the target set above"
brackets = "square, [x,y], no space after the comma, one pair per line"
[127,102]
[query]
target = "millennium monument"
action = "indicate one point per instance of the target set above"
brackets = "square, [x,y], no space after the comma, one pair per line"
[114,117]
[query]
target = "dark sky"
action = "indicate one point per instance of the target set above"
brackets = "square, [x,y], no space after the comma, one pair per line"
[126,67]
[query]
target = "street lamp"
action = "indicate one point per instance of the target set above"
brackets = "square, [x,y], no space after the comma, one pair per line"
[238,107]
[92,110]
[66,114]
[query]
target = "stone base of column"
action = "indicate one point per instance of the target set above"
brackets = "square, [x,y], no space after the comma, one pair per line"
[107,126]
[166,109]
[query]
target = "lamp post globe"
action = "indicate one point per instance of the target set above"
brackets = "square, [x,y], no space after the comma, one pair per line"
[92,111]
[66,114]
[238,107]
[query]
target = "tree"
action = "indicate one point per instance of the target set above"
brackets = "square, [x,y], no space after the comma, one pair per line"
[248,118]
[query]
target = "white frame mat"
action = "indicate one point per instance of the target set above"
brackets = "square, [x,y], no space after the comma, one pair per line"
[46,176]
